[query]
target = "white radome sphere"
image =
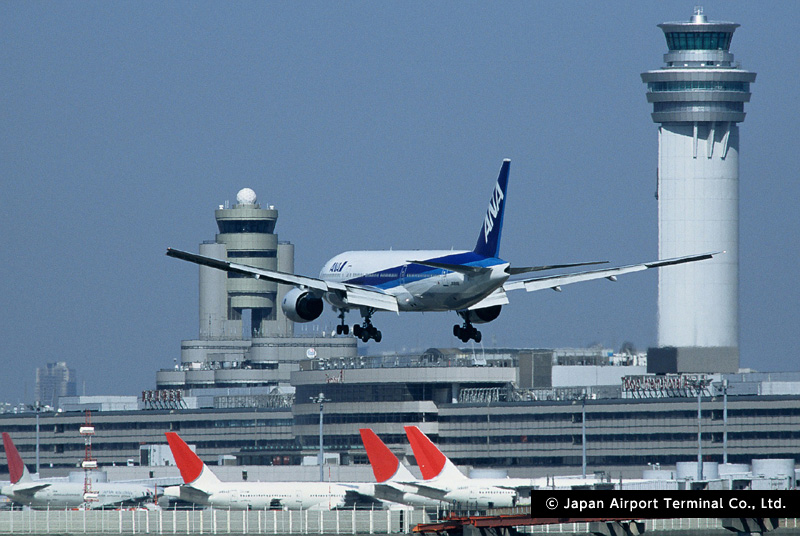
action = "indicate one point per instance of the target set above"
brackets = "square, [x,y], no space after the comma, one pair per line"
[246,196]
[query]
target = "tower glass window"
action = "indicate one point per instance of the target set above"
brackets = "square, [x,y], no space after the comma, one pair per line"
[246,226]
[699,40]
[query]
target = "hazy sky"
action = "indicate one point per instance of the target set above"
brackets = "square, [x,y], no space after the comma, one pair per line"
[368,125]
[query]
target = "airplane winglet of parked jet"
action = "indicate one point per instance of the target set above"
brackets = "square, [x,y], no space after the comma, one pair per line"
[471,283]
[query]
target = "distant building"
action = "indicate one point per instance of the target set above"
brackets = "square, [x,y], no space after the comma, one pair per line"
[53,381]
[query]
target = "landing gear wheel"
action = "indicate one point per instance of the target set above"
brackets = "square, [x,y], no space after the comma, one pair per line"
[367,331]
[467,332]
[342,328]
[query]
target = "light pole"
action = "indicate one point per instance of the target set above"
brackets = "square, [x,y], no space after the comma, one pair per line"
[583,435]
[320,399]
[725,421]
[37,408]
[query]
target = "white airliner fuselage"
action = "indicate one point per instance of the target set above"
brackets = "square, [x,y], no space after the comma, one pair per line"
[417,287]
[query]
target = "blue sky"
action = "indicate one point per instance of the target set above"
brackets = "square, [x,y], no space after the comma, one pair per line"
[368,125]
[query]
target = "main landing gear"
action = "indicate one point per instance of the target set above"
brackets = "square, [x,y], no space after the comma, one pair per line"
[467,332]
[342,328]
[367,331]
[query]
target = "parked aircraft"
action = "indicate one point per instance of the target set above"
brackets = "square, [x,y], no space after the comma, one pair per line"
[41,494]
[472,283]
[396,483]
[201,486]
[435,466]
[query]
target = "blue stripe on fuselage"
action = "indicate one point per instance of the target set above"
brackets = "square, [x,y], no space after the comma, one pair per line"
[391,277]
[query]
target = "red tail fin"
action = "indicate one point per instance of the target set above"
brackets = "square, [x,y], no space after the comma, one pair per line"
[430,459]
[15,466]
[187,461]
[384,462]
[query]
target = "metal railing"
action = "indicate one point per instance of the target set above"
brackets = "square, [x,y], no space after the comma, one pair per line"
[210,521]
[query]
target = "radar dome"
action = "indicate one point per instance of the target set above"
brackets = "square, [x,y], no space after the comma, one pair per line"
[246,196]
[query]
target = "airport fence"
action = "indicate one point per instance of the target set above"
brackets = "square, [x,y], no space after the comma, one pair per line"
[210,521]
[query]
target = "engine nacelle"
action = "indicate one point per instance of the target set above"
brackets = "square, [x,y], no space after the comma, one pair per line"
[301,306]
[481,316]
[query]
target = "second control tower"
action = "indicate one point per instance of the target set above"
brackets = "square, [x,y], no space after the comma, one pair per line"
[698,99]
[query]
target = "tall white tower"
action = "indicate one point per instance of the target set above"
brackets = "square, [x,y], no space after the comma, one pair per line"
[698,99]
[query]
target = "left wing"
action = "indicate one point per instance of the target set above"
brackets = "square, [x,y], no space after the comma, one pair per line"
[357,295]
[555,282]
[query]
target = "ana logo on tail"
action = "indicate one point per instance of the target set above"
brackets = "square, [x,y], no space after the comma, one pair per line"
[491,214]
[488,244]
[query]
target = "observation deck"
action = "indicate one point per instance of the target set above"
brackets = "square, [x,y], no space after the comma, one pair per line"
[700,81]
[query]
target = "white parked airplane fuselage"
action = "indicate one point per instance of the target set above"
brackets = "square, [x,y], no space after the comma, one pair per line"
[202,486]
[265,495]
[24,489]
[417,287]
[71,494]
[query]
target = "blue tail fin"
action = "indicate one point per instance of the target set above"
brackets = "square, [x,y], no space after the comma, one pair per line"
[489,238]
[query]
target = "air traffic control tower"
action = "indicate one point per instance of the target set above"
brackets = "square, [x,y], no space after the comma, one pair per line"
[698,101]
[247,236]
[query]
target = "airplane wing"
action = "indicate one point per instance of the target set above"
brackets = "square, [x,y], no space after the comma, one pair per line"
[29,488]
[555,282]
[356,295]
[498,297]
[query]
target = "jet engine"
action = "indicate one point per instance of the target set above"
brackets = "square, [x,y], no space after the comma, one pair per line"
[481,316]
[301,306]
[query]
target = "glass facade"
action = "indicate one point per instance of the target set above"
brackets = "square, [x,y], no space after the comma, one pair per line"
[264,254]
[246,226]
[696,85]
[716,106]
[699,40]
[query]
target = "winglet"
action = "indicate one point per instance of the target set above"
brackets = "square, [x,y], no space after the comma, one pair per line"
[488,244]
[16,467]
[190,465]
[384,463]
[432,463]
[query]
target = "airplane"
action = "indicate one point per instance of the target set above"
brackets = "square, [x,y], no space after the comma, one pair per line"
[433,464]
[396,483]
[201,486]
[40,494]
[471,283]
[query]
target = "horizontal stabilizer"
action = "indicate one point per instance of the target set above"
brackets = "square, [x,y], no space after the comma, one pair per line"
[458,268]
[528,269]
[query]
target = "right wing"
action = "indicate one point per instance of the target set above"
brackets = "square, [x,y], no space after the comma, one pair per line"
[356,295]
[556,281]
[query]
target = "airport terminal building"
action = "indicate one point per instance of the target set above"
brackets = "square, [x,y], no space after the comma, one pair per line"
[528,412]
